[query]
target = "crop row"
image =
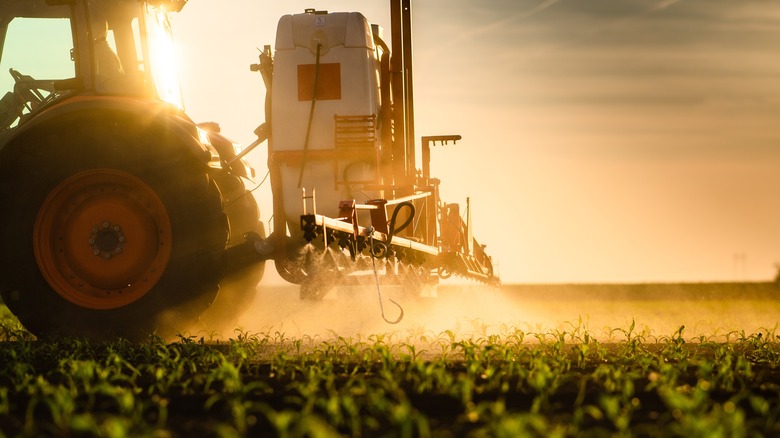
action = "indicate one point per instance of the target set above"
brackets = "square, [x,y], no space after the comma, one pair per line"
[559,383]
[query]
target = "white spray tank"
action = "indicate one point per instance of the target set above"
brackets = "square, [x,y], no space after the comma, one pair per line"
[325,104]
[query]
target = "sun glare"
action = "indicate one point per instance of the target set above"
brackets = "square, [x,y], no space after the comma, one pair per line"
[162,51]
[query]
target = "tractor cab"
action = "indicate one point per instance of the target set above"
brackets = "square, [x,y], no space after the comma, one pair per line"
[56,49]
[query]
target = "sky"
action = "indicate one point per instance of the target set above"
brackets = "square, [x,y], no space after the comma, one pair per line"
[603,140]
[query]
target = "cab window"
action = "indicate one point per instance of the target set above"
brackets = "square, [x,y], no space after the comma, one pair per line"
[36,52]
[51,57]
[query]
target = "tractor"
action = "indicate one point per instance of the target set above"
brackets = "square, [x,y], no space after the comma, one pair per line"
[120,214]
[122,217]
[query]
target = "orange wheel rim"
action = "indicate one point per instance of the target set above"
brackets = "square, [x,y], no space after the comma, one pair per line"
[102,239]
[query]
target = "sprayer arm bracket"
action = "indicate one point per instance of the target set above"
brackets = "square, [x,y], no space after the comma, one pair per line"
[316,223]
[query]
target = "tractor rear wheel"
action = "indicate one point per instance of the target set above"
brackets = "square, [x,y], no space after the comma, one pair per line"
[109,229]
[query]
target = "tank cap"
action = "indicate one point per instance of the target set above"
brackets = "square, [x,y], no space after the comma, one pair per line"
[314,11]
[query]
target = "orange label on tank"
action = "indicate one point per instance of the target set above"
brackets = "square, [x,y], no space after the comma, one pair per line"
[328,78]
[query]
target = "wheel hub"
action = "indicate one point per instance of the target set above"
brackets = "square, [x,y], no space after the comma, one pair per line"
[107,240]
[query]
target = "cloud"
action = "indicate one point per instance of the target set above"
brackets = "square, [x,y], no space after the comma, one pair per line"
[469,22]
[664,4]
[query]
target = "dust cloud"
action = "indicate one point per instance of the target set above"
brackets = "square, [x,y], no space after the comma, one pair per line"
[714,312]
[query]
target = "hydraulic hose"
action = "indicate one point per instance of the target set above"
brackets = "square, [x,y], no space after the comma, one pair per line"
[392,228]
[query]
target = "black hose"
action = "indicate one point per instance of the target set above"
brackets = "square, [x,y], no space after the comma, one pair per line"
[311,113]
[392,229]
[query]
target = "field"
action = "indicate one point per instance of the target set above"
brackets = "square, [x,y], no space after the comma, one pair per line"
[561,360]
